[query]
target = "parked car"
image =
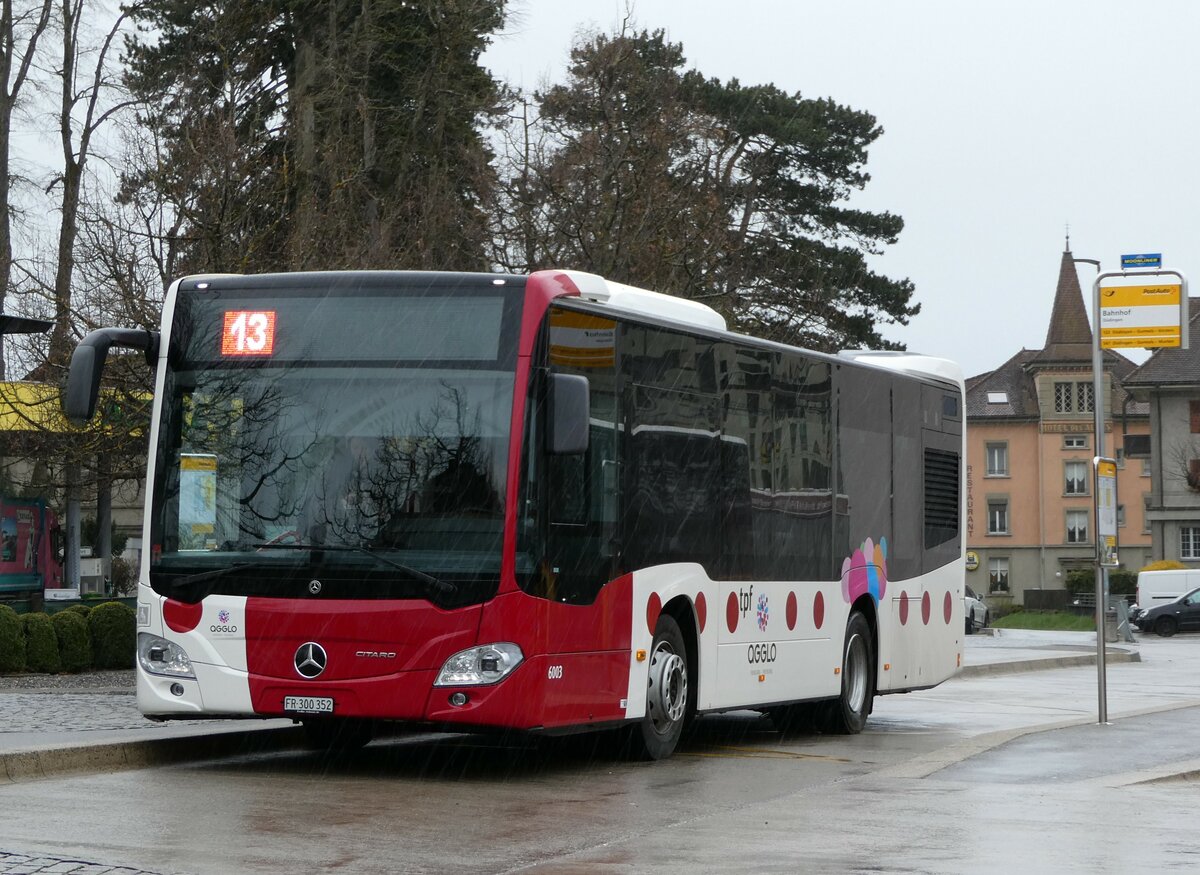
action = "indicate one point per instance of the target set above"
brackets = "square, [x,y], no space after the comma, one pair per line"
[1156,588]
[975,610]
[1180,615]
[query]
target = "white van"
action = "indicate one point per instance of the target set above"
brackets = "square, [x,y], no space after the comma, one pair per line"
[1159,587]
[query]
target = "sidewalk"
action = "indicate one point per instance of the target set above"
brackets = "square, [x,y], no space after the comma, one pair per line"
[61,724]
[1016,650]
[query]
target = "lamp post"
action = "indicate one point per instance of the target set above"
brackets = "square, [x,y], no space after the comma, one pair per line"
[1101,570]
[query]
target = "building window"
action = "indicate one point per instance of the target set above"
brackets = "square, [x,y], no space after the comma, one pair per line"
[1146,512]
[1076,478]
[1145,467]
[997,516]
[1120,515]
[1085,395]
[1121,458]
[998,575]
[1077,526]
[1075,442]
[1189,542]
[1194,411]
[997,460]
[1063,393]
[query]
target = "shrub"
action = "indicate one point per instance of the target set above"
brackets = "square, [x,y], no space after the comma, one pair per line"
[1084,582]
[124,576]
[41,644]
[1081,582]
[1122,582]
[12,641]
[82,610]
[1164,565]
[114,635]
[74,640]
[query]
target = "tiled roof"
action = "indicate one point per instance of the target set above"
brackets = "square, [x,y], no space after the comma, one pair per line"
[1069,344]
[1069,336]
[1010,379]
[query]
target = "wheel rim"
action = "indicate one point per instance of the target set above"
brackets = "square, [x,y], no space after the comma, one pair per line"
[667,695]
[856,673]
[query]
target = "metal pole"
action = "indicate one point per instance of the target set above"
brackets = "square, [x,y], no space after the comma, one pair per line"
[1101,572]
[1098,404]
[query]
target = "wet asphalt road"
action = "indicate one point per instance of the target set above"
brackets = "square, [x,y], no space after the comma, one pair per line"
[947,780]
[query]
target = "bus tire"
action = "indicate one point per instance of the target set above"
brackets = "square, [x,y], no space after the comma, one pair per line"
[847,714]
[668,694]
[338,734]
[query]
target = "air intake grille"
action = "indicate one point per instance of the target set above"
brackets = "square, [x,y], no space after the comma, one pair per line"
[941,497]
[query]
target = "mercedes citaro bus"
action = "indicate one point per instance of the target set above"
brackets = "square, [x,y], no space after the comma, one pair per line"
[546,503]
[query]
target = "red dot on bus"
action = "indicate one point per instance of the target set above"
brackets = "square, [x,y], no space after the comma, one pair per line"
[947,608]
[790,611]
[926,608]
[731,613]
[180,616]
[819,609]
[701,610]
[903,607]
[653,609]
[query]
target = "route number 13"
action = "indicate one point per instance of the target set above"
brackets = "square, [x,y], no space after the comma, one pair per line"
[248,332]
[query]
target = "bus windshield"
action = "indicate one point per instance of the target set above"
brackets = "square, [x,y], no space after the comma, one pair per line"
[351,435]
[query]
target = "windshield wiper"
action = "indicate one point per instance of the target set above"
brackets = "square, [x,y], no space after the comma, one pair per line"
[435,585]
[206,576]
[193,582]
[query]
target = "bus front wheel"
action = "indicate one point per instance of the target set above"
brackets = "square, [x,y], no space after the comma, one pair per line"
[847,714]
[667,692]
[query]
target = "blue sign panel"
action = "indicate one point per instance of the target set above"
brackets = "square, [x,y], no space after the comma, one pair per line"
[1144,260]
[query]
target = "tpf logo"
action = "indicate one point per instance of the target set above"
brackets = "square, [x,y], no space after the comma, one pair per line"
[745,599]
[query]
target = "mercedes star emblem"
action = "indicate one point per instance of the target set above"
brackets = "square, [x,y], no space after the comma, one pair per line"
[314,586]
[310,659]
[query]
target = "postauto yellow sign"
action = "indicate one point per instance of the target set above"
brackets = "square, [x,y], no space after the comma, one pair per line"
[1147,315]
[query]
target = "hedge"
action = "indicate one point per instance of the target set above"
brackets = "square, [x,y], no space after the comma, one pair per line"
[41,644]
[114,635]
[1119,582]
[74,641]
[12,640]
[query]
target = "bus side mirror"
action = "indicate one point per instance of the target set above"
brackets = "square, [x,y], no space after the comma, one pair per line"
[570,408]
[87,367]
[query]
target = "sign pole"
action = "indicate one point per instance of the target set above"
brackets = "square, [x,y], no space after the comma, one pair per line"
[1101,571]
[1137,316]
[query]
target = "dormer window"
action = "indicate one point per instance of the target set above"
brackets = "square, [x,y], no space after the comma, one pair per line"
[997,397]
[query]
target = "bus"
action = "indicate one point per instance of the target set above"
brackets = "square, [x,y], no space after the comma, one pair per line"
[547,503]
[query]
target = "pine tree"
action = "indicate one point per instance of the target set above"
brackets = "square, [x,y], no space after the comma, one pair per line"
[651,174]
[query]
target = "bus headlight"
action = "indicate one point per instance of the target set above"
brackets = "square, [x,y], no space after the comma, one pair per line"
[160,656]
[485,664]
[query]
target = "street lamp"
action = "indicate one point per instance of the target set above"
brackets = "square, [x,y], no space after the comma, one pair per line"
[1101,569]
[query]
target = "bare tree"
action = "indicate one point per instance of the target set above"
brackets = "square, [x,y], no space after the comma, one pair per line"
[21,26]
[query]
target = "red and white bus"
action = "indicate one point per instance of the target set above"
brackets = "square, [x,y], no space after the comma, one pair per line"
[546,503]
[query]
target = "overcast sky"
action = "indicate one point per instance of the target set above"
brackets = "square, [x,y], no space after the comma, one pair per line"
[1003,122]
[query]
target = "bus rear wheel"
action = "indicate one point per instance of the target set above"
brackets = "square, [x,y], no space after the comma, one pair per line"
[667,693]
[847,714]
